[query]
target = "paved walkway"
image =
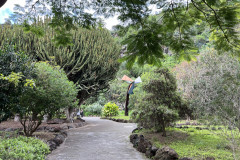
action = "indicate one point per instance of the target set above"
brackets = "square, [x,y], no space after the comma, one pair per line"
[99,140]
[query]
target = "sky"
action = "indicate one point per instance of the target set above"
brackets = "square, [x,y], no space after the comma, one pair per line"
[7,9]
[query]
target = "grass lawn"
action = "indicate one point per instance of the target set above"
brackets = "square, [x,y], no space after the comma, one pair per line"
[121,115]
[196,144]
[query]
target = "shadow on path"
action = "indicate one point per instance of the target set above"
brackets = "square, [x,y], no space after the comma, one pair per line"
[98,140]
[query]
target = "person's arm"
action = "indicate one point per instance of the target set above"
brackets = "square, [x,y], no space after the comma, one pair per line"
[2,2]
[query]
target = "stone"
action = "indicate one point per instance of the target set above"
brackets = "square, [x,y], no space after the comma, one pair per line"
[199,128]
[52,145]
[151,152]
[10,129]
[133,138]
[57,129]
[166,153]
[59,139]
[185,158]
[41,128]
[125,121]
[209,158]
[64,126]
[64,133]
[55,121]
[213,128]
[143,144]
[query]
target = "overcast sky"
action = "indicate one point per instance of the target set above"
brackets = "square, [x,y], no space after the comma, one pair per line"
[7,9]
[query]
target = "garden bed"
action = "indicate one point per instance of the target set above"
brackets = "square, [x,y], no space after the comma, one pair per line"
[196,144]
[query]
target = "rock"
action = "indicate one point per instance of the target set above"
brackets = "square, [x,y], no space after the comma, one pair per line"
[137,129]
[64,126]
[125,121]
[199,128]
[59,139]
[55,121]
[52,145]
[213,128]
[133,138]
[166,153]
[48,128]
[41,128]
[64,133]
[185,127]
[143,144]
[10,129]
[185,158]
[209,158]
[57,129]
[151,152]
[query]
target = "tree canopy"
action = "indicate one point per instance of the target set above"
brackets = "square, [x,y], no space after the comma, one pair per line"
[171,27]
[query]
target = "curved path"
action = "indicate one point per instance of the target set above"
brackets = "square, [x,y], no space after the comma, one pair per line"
[98,140]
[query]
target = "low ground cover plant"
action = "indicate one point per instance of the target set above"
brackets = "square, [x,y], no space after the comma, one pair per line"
[27,148]
[196,144]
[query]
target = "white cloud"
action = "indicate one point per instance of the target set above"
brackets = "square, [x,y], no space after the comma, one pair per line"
[7,8]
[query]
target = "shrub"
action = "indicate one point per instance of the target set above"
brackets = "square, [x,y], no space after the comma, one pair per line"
[53,91]
[15,73]
[94,109]
[211,84]
[159,104]
[110,109]
[23,148]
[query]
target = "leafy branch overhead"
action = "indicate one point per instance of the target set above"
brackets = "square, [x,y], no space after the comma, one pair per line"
[170,27]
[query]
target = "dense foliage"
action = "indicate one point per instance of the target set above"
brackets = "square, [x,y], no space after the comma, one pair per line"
[91,62]
[110,109]
[53,91]
[211,84]
[15,74]
[160,103]
[26,148]
[171,29]
[94,109]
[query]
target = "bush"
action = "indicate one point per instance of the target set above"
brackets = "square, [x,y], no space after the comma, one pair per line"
[160,103]
[110,109]
[23,148]
[211,84]
[94,109]
[53,91]
[15,73]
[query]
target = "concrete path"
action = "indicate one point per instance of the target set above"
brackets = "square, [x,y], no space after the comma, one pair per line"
[98,140]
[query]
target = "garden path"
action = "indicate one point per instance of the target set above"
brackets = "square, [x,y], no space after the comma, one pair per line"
[98,140]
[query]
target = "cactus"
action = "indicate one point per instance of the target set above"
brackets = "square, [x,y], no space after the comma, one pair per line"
[90,62]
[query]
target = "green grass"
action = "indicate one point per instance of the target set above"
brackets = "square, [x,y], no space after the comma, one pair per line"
[122,117]
[197,144]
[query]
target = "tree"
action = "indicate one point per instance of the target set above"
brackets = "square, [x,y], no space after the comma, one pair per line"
[91,62]
[16,74]
[211,85]
[53,91]
[171,29]
[160,103]
[2,3]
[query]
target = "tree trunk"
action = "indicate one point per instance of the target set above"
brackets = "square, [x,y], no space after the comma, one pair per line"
[16,118]
[127,101]
[70,114]
[163,128]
